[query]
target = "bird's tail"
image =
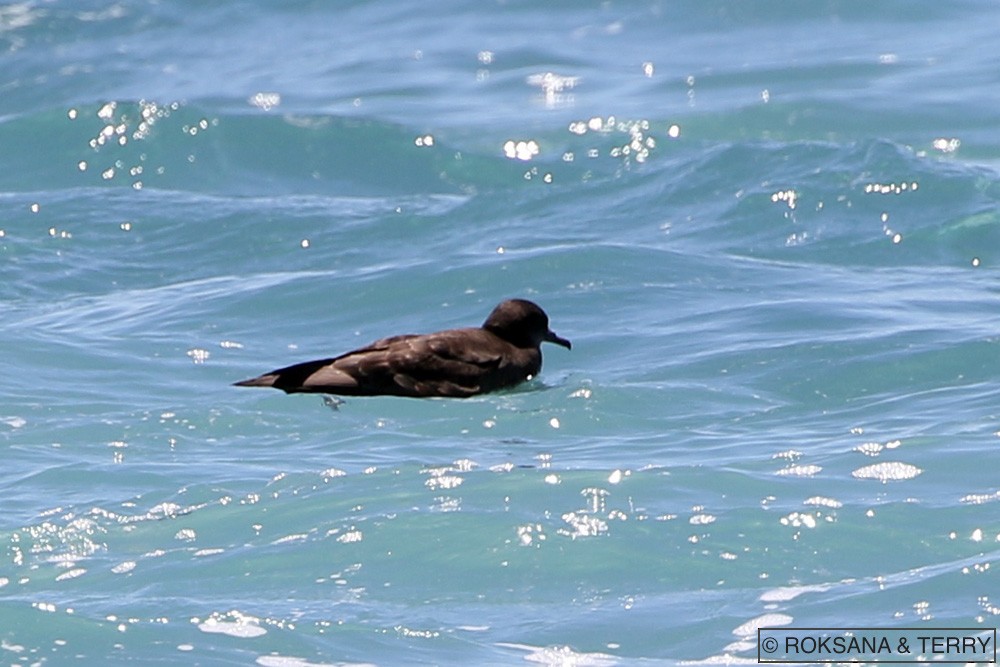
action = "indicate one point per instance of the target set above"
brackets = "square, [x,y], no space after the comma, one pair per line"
[261,381]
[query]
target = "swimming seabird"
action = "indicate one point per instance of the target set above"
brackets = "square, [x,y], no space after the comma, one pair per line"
[456,362]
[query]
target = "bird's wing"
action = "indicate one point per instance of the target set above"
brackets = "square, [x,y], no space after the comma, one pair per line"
[441,364]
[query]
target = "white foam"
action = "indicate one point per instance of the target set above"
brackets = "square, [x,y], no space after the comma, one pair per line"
[786,593]
[562,655]
[887,470]
[243,627]
[749,629]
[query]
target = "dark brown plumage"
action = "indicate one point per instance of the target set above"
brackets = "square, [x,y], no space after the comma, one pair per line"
[457,362]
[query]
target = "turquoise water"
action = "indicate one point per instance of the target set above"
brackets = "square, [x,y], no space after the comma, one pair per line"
[770,230]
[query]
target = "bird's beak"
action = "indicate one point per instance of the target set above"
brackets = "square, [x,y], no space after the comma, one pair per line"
[550,337]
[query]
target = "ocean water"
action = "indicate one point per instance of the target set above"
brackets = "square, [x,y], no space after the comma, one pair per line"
[771,230]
